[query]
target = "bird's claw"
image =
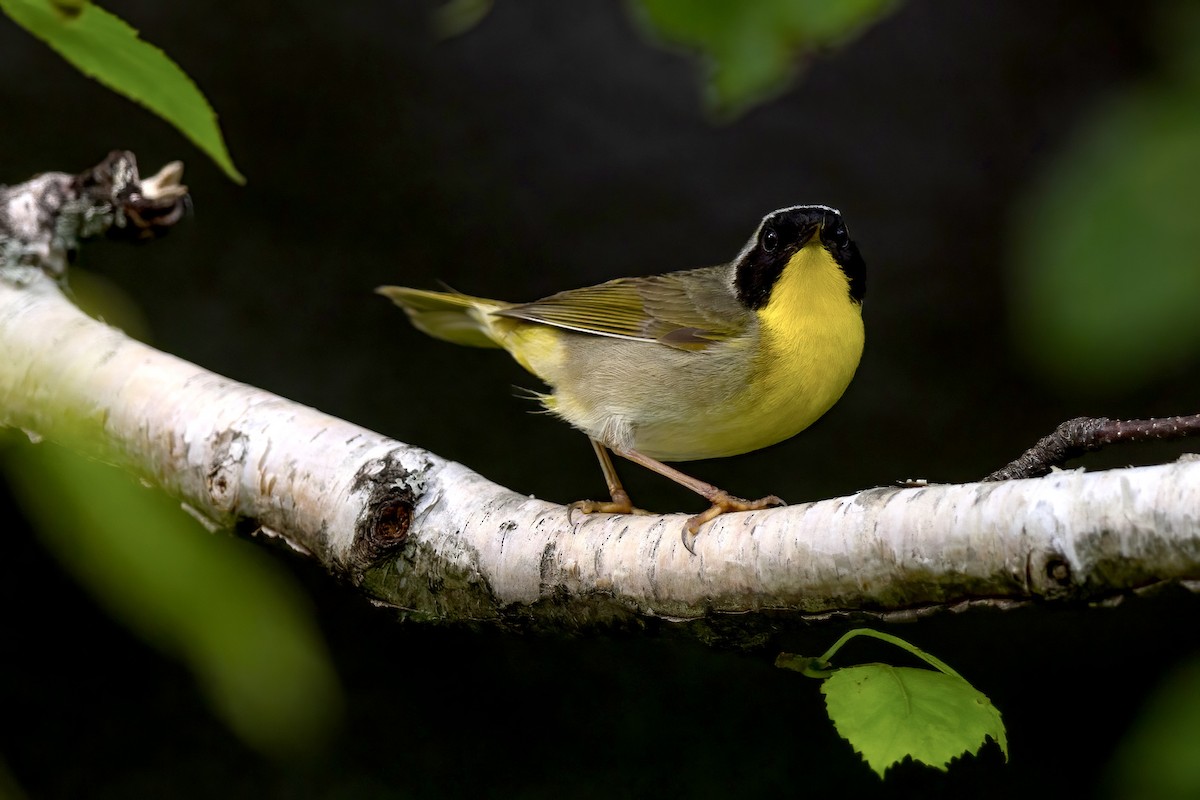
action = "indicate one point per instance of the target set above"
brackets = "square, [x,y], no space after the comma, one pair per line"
[723,503]
[620,504]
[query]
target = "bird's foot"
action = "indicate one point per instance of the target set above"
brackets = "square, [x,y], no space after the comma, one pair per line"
[620,504]
[723,503]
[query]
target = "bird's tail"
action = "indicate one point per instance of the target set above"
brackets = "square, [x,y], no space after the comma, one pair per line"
[451,316]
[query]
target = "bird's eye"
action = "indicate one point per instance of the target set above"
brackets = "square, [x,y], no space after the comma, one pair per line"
[770,240]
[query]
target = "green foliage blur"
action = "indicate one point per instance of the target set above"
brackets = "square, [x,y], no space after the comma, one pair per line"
[225,608]
[751,51]
[1158,758]
[1105,271]
[1105,258]
[456,17]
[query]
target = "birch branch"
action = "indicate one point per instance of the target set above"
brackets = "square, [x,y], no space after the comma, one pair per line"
[430,536]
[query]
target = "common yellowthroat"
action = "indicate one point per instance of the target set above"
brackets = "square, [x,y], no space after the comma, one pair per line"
[701,363]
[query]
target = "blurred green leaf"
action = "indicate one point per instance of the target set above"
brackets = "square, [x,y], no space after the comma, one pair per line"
[1106,276]
[104,47]
[456,17]
[231,613]
[9,788]
[1158,756]
[98,296]
[751,49]
[889,713]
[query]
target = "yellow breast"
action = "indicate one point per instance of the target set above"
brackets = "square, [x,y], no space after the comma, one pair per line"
[811,342]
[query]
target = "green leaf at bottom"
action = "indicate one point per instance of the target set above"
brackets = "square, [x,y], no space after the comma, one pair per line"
[887,713]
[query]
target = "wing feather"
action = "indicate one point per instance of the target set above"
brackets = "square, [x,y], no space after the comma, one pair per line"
[688,310]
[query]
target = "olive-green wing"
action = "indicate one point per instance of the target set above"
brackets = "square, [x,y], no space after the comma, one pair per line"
[688,310]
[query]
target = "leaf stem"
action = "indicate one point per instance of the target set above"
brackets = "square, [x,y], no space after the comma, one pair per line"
[933,661]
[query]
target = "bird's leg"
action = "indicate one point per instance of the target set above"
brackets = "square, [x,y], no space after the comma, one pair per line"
[722,501]
[620,504]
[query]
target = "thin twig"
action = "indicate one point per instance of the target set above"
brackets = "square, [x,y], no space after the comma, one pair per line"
[1084,434]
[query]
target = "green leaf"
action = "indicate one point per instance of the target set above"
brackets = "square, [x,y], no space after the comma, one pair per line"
[104,47]
[888,713]
[750,49]
[1105,277]
[226,609]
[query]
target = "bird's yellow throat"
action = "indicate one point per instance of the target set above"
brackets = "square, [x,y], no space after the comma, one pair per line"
[812,337]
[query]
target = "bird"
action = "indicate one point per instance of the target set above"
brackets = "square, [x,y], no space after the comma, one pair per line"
[684,365]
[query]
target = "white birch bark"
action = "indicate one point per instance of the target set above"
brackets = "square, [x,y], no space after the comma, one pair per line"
[421,533]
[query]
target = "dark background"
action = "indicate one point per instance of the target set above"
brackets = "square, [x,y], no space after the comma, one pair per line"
[551,147]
